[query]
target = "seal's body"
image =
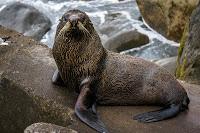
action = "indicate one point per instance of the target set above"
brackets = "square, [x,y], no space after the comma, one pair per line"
[104,77]
[128,80]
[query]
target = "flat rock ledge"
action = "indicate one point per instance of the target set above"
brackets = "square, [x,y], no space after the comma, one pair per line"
[27,96]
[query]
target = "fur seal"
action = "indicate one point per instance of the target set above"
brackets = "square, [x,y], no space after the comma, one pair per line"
[107,78]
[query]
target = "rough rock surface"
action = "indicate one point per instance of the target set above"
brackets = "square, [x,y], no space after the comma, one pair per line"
[168,63]
[168,17]
[126,40]
[47,128]
[27,96]
[189,52]
[25,19]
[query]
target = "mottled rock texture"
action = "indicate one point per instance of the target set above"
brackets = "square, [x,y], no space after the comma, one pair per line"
[26,93]
[188,63]
[167,17]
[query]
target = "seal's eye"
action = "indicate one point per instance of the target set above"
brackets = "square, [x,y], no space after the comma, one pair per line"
[81,17]
[64,19]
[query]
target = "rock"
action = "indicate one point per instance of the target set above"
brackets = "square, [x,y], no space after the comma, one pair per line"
[154,51]
[117,32]
[126,40]
[114,24]
[168,63]
[167,17]
[27,96]
[23,100]
[25,19]
[7,52]
[116,21]
[189,53]
[47,128]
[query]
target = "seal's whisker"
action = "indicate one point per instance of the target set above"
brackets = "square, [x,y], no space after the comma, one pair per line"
[65,29]
[80,25]
[85,33]
[68,26]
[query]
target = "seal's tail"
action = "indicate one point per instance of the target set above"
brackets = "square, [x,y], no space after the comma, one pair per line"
[164,113]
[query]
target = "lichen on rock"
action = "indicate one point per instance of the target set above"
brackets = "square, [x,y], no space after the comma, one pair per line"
[180,65]
[188,63]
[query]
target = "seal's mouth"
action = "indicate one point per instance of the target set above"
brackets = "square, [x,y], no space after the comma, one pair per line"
[75,27]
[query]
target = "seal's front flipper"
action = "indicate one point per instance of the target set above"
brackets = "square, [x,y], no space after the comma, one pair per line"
[56,79]
[85,110]
[159,115]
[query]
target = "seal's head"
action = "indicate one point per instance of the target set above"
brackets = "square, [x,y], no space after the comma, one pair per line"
[75,24]
[76,41]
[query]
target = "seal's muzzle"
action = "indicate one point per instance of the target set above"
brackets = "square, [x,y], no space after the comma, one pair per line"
[73,19]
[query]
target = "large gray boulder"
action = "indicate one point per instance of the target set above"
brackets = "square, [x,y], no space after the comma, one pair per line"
[23,100]
[126,40]
[25,19]
[27,96]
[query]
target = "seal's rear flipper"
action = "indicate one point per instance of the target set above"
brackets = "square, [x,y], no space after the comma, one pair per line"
[85,110]
[159,115]
[91,119]
[164,113]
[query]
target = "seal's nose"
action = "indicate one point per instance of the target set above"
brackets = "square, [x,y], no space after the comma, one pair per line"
[74,19]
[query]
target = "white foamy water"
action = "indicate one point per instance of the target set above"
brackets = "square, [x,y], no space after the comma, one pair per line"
[97,10]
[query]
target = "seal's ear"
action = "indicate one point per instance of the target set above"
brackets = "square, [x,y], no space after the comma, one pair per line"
[85,110]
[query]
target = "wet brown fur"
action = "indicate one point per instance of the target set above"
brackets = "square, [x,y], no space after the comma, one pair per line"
[116,79]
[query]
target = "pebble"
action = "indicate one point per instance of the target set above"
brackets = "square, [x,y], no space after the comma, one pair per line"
[4,43]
